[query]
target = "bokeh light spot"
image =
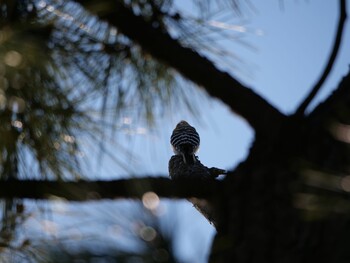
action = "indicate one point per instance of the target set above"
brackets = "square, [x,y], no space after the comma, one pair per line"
[147,233]
[68,138]
[127,120]
[13,58]
[17,124]
[57,145]
[150,200]
[42,4]
[50,8]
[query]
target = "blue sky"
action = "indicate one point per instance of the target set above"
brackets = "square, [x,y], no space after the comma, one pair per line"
[284,63]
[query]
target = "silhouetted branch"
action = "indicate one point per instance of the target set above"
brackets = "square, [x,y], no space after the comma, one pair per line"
[257,111]
[336,106]
[328,130]
[301,109]
[96,190]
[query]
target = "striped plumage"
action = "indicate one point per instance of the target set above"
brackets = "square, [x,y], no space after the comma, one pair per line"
[185,141]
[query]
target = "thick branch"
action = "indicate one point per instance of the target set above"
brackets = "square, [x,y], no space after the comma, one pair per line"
[95,190]
[326,140]
[242,100]
[336,107]
[301,109]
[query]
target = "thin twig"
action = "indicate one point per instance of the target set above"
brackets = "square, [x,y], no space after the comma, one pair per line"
[301,109]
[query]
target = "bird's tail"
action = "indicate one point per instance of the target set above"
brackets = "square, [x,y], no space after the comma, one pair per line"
[189,158]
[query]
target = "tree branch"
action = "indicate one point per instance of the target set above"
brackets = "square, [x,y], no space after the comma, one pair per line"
[335,108]
[301,109]
[96,190]
[258,112]
[326,141]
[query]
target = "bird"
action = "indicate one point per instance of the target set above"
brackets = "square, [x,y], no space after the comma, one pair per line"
[185,165]
[185,141]
[178,170]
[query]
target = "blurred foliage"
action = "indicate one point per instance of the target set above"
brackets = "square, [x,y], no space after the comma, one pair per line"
[66,78]
[39,120]
[135,236]
[61,74]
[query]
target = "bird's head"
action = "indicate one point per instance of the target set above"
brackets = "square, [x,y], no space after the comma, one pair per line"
[182,123]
